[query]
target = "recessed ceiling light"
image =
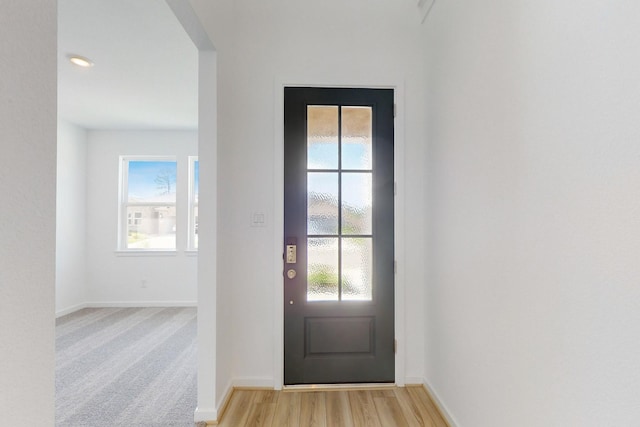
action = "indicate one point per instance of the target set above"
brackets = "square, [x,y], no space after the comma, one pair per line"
[80,61]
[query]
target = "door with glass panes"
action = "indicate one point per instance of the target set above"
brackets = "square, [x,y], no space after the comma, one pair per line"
[338,236]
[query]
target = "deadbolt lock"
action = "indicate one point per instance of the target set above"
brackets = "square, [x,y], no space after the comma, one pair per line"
[291,273]
[291,254]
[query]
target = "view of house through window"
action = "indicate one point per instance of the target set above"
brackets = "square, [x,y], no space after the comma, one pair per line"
[149,204]
[152,203]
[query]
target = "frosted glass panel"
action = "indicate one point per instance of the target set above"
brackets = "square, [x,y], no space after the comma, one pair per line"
[322,137]
[322,269]
[356,138]
[356,203]
[151,227]
[322,203]
[357,259]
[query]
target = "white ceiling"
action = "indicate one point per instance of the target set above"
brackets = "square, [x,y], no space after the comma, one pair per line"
[145,72]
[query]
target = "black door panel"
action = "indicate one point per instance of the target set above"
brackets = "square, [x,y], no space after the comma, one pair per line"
[338,242]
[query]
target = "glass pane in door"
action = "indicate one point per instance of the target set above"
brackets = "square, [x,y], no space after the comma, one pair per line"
[357,258]
[322,203]
[356,138]
[322,269]
[322,137]
[356,203]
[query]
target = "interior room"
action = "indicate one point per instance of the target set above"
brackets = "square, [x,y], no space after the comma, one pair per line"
[126,245]
[515,210]
[138,98]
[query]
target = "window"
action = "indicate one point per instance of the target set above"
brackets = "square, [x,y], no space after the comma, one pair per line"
[148,203]
[194,179]
[134,218]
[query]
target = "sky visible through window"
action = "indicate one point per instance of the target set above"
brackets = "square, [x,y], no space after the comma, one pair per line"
[196,179]
[152,181]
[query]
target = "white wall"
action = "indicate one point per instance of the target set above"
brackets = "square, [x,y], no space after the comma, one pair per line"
[27,211]
[213,369]
[70,218]
[532,309]
[260,47]
[210,312]
[116,279]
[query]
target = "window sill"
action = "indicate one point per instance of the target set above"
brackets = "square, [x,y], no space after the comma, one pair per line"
[146,252]
[191,252]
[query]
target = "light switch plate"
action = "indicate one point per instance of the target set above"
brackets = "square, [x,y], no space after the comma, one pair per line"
[258,219]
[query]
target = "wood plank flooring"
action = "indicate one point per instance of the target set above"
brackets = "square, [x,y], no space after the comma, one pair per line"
[399,406]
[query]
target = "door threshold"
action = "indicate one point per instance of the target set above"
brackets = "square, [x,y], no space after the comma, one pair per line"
[338,387]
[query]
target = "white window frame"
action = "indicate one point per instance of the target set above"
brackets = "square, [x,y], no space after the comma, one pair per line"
[124,204]
[193,204]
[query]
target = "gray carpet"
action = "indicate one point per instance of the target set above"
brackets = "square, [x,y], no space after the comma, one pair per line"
[133,367]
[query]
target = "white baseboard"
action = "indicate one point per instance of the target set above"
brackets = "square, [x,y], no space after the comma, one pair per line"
[70,310]
[413,381]
[211,415]
[441,406]
[208,415]
[223,399]
[129,304]
[254,382]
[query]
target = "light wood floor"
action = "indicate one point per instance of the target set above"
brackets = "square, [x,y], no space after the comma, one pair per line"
[399,406]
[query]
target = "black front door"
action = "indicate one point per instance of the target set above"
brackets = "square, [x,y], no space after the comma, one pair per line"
[338,241]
